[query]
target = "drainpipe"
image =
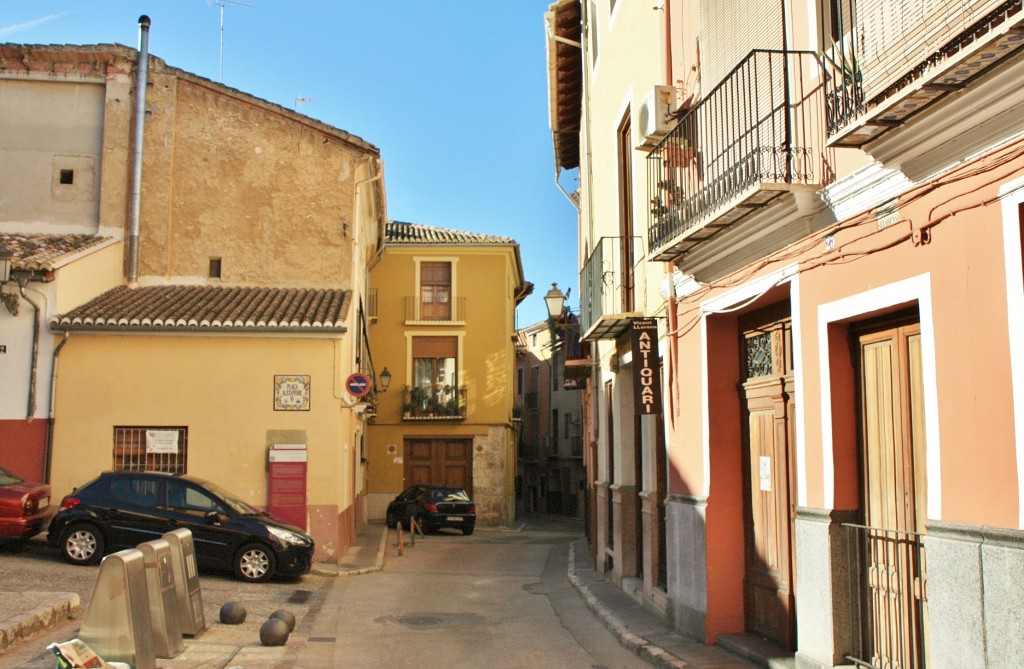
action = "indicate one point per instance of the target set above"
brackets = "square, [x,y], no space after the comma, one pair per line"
[53,400]
[140,125]
[379,165]
[35,349]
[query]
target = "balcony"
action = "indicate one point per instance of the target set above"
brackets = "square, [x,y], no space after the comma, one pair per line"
[892,60]
[446,403]
[607,284]
[418,312]
[756,136]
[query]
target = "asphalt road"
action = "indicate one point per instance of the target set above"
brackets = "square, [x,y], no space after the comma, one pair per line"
[493,599]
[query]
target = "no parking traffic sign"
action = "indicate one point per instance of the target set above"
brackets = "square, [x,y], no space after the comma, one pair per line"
[358,384]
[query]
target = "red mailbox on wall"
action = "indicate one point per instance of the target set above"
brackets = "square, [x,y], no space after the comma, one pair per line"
[286,483]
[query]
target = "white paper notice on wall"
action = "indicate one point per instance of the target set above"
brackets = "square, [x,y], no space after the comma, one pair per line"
[398,460]
[765,472]
[162,441]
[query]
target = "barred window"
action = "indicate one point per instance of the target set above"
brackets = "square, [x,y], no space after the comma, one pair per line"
[150,449]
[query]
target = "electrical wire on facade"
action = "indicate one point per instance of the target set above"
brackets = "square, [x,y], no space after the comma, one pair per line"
[832,257]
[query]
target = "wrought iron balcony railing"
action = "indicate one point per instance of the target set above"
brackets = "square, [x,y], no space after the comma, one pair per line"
[890,60]
[371,305]
[609,279]
[420,311]
[757,134]
[888,597]
[443,403]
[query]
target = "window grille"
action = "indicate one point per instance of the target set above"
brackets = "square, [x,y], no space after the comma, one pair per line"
[150,449]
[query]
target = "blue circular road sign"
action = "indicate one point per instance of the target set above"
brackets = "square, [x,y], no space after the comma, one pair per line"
[358,384]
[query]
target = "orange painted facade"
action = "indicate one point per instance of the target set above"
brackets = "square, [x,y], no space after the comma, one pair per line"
[842,317]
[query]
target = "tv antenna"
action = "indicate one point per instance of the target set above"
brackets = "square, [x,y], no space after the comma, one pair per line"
[301,100]
[222,4]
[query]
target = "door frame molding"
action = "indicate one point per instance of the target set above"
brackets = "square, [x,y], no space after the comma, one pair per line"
[916,289]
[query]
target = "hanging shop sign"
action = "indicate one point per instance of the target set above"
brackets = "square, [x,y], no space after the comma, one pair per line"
[646,364]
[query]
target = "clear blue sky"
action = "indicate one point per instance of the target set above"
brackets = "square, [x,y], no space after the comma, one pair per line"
[453,93]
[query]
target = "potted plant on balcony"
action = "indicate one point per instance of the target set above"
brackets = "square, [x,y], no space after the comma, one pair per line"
[678,155]
[417,400]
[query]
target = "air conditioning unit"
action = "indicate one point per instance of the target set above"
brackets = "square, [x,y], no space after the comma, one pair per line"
[655,117]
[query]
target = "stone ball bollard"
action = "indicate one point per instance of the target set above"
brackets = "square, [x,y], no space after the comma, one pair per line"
[274,632]
[287,616]
[232,613]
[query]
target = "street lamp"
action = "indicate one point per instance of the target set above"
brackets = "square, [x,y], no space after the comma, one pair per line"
[555,301]
[385,380]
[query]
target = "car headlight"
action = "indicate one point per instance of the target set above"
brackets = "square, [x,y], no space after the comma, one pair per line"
[289,537]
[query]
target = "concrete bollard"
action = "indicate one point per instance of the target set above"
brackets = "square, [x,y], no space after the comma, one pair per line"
[287,616]
[232,613]
[274,632]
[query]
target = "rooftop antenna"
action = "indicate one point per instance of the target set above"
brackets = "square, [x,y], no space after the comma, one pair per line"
[222,4]
[299,101]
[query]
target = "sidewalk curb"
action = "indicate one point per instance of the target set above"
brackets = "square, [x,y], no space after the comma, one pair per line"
[639,645]
[377,566]
[20,627]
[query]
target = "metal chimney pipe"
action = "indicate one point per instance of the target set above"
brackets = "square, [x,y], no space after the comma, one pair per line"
[140,125]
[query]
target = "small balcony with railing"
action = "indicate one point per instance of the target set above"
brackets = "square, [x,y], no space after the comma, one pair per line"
[440,403]
[438,312]
[889,61]
[758,135]
[608,283]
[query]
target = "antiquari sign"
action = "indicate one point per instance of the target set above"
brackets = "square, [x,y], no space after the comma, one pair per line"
[646,367]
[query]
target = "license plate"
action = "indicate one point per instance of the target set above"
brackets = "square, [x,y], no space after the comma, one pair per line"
[454,519]
[44,502]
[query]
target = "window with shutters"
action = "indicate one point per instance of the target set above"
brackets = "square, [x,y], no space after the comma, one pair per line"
[436,291]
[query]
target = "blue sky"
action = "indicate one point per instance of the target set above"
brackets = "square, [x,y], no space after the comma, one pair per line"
[453,93]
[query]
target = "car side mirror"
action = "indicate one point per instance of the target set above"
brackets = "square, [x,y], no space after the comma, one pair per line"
[214,517]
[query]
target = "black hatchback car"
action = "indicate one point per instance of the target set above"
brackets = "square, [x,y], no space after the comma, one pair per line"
[120,510]
[433,506]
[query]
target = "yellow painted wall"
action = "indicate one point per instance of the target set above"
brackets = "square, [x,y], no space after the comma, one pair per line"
[486,278]
[221,389]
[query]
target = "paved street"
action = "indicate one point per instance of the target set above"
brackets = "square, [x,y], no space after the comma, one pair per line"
[496,599]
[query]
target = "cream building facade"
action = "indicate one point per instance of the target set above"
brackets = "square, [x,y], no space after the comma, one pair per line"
[223,295]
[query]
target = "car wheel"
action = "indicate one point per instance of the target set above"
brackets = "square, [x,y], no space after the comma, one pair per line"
[82,544]
[254,563]
[467,531]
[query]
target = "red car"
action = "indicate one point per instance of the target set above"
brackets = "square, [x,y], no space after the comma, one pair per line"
[25,508]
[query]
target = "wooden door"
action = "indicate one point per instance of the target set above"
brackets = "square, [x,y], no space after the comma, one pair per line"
[768,585]
[892,415]
[439,462]
[769,402]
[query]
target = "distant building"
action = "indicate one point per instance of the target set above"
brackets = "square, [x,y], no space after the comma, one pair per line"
[552,478]
[445,330]
[221,326]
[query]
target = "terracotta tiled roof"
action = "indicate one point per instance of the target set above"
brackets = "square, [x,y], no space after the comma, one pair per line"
[210,309]
[44,253]
[415,233]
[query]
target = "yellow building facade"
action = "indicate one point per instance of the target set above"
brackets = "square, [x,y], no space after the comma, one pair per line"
[445,330]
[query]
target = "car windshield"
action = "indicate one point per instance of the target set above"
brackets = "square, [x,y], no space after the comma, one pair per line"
[7,478]
[237,505]
[450,495]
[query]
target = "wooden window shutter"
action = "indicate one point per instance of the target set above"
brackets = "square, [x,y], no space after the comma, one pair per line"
[435,347]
